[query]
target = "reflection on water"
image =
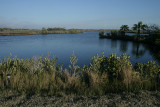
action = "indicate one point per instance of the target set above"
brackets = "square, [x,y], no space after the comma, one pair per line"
[113,44]
[123,46]
[139,52]
[138,49]
[101,42]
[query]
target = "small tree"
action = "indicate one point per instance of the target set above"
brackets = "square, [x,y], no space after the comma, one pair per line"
[44,31]
[153,28]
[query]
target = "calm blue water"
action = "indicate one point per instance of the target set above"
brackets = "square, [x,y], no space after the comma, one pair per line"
[85,46]
[132,34]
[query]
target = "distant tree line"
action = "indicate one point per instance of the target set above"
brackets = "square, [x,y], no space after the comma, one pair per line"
[53,29]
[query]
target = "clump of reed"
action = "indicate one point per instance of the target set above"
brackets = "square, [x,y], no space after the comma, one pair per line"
[105,74]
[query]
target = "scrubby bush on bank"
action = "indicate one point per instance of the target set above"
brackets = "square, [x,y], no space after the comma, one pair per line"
[103,75]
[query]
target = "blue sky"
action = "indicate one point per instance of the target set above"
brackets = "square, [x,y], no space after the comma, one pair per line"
[85,14]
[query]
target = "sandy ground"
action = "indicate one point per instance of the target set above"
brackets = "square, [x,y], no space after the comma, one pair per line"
[141,98]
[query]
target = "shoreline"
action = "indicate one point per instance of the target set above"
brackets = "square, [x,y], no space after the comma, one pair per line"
[141,39]
[38,32]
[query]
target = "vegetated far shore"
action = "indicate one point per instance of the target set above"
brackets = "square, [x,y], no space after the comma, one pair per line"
[13,32]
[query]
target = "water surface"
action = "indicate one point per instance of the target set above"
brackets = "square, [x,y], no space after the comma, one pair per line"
[85,46]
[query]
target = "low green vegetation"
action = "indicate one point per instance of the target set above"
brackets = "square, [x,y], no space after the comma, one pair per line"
[9,31]
[103,75]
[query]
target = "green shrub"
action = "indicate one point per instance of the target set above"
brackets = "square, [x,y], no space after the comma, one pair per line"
[149,70]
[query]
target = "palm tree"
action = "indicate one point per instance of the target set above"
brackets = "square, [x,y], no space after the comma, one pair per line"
[123,29]
[140,26]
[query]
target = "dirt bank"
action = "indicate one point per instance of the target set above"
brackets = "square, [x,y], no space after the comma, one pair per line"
[142,98]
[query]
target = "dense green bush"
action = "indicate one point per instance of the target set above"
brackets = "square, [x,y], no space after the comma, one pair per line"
[114,33]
